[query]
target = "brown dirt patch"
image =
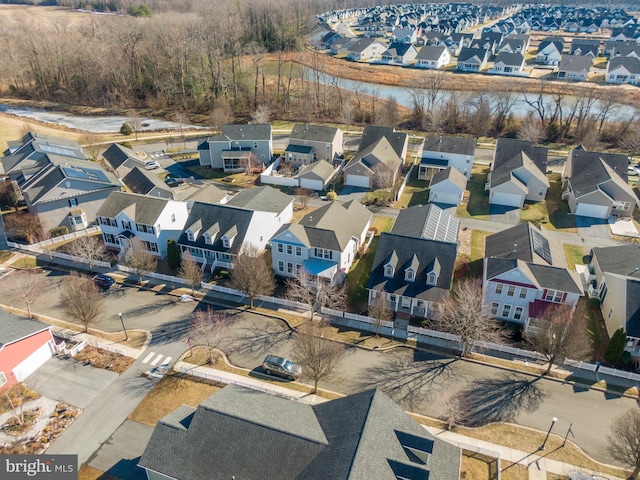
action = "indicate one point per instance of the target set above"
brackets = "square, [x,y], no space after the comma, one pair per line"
[103,359]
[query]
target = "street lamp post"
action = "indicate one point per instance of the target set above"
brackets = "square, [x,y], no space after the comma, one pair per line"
[126,335]
[553,421]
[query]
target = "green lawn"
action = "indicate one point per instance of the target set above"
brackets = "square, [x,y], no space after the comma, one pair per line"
[478,204]
[477,252]
[535,212]
[557,209]
[416,192]
[382,224]
[358,277]
[574,255]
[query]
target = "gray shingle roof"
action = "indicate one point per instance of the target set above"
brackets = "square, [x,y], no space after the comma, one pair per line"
[575,63]
[208,194]
[620,259]
[589,169]
[142,182]
[140,208]
[631,64]
[245,434]
[543,276]
[247,132]
[450,144]
[510,58]
[320,170]
[313,133]
[518,243]
[429,52]
[426,221]
[404,248]
[378,153]
[511,154]
[633,308]
[13,327]
[468,53]
[117,154]
[373,133]
[450,173]
[261,199]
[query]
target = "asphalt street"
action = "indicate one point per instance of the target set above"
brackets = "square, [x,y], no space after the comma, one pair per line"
[417,380]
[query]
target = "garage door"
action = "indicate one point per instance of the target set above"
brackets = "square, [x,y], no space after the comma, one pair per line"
[593,211]
[507,199]
[312,184]
[446,198]
[357,181]
[33,362]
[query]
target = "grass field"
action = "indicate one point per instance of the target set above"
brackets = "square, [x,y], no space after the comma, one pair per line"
[478,205]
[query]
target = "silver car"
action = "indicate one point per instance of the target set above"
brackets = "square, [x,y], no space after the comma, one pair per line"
[281,367]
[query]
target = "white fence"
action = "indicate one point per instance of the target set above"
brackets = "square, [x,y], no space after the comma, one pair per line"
[52,255]
[404,182]
[68,236]
[592,367]
[107,347]
[228,380]
[157,276]
[618,373]
[517,352]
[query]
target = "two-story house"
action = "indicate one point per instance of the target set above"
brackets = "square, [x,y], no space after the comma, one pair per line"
[550,51]
[323,243]
[121,159]
[518,173]
[442,151]
[153,220]
[310,143]
[238,148]
[414,263]
[525,272]
[433,57]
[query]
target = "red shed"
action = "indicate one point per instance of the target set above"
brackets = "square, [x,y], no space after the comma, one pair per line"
[25,344]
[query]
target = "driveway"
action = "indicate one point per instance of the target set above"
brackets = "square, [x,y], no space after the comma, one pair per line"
[592,227]
[503,214]
[70,381]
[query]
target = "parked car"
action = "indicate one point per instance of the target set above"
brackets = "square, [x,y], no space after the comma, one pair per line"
[105,282]
[173,182]
[186,298]
[281,367]
[633,169]
[152,165]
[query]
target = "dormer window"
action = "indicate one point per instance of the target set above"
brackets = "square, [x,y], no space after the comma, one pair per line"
[190,236]
[409,275]
[207,239]
[432,278]
[388,271]
[226,243]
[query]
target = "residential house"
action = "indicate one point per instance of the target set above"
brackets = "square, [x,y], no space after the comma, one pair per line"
[621,70]
[121,159]
[585,48]
[342,46]
[372,133]
[329,39]
[309,143]
[323,243]
[210,194]
[595,184]
[525,272]
[613,277]
[406,35]
[447,186]
[472,59]
[25,344]
[146,183]
[550,51]
[489,41]
[366,49]
[255,435]
[623,49]
[508,64]
[317,176]
[399,53]
[374,167]
[518,173]
[574,67]
[442,151]
[153,220]
[514,44]
[433,57]
[238,148]
[414,263]
[66,192]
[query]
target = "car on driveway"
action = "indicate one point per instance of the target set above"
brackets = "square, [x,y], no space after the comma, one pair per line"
[282,367]
[152,165]
[633,170]
[173,182]
[105,282]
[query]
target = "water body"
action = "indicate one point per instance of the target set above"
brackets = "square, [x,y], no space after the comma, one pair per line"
[403,96]
[91,123]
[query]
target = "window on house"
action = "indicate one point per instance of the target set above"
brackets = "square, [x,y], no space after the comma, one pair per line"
[73,202]
[298,251]
[255,144]
[328,146]
[207,239]
[517,314]
[289,250]
[388,271]
[409,275]
[151,246]
[126,224]
[289,267]
[280,266]
[506,310]
[554,296]
[523,292]
[111,222]
[140,227]
[280,248]
[541,192]
[225,242]
[499,288]
[511,291]
[392,298]
[494,308]
[432,279]
[109,238]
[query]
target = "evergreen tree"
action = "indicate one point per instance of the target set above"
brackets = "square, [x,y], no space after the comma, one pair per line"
[615,348]
[173,254]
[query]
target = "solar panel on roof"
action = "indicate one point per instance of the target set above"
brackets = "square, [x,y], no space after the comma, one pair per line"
[84,174]
[541,246]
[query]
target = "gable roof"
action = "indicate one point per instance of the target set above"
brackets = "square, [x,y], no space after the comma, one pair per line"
[527,243]
[453,174]
[117,154]
[250,131]
[427,221]
[34,146]
[379,152]
[398,49]
[313,133]
[449,144]
[631,64]
[590,169]
[261,199]
[142,182]
[557,42]
[511,154]
[14,327]
[373,133]
[317,170]
[208,194]
[468,53]
[510,59]
[257,435]
[543,276]
[619,259]
[429,52]
[575,63]
[139,208]
[429,253]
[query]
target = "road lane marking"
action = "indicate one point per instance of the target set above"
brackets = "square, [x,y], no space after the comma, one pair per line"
[148,357]
[157,359]
[166,361]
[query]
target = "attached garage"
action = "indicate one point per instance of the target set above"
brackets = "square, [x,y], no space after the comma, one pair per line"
[33,361]
[444,197]
[591,210]
[357,181]
[312,184]
[506,199]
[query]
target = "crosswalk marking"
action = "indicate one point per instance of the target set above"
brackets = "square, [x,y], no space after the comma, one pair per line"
[148,357]
[157,359]
[166,361]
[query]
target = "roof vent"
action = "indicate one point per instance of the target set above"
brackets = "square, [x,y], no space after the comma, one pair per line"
[515,246]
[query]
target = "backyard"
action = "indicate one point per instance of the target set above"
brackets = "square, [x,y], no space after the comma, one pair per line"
[477,205]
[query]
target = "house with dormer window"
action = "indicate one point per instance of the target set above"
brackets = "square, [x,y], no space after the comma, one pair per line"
[525,272]
[214,234]
[413,265]
[323,243]
[153,220]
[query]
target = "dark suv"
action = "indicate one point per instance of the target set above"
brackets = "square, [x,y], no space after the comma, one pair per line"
[281,367]
[105,282]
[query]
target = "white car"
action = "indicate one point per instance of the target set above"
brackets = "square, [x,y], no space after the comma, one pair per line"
[186,298]
[633,169]
[151,165]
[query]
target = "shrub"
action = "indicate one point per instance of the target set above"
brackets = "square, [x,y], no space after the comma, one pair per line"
[58,231]
[615,348]
[332,196]
[126,129]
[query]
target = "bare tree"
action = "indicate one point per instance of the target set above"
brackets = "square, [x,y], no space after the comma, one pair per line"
[190,271]
[347,114]
[138,258]
[631,140]
[380,310]
[23,225]
[624,440]
[10,194]
[454,410]
[92,144]
[210,327]
[221,113]
[382,177]
[261,115]
[134,122]
[464,314]
[559,334]
[28,287]
[531,129]
[303,195]
[318,356]
[252,275]
[504,99]
[81,300]
[250,164]
[91,248]
[17,395]
[315,293]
